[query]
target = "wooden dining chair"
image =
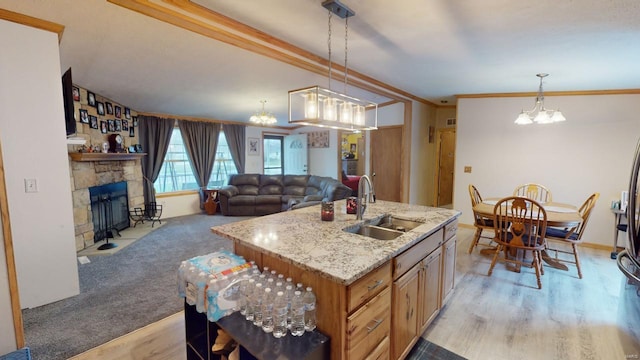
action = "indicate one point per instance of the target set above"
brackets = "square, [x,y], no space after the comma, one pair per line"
[535,192]
[560,238]
[520,224]
[480,222]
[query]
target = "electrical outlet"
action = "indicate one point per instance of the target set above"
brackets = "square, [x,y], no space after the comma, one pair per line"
[30,185]
[467,169]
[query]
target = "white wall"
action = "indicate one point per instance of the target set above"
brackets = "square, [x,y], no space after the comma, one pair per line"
[590,152]
[34,146]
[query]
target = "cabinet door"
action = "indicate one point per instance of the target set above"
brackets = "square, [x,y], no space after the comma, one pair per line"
[430,288]
[448,268]
[404,315]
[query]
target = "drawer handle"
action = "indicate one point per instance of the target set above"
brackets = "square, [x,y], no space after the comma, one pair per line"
[377,283]
[377,323]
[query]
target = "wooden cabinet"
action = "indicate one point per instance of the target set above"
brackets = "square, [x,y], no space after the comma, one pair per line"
[449,262]
[350,166]
[430,289]
[369,326]
[405,312]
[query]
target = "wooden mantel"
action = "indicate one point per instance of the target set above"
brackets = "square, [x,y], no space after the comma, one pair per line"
[78,156]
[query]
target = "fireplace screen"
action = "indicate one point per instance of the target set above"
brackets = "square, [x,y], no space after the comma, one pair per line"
[109,209]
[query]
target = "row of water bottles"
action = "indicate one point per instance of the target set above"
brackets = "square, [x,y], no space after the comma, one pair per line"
[273,303]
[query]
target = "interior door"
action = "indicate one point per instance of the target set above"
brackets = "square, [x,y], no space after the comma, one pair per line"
[296,156]
[446,161]
[386,160]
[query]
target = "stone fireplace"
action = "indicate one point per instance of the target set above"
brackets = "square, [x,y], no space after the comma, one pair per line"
[87,173]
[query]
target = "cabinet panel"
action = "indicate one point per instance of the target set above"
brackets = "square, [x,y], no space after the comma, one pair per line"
[405,312]
[381,352]
[430,288]
[450,229]
[448,268]
[368,326]
[416,253]
[368,286]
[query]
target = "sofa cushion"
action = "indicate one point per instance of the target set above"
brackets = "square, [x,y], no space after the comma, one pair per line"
[242,200]
[315,185]
[295,184]
[270,185]
[268,199]
[247,184]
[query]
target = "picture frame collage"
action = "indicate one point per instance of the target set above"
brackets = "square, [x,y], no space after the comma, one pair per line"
[109,118]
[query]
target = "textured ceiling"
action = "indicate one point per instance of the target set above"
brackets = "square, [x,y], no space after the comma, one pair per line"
[431,49]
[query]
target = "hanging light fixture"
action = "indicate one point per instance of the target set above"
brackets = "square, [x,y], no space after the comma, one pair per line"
[263,117]
[539,114]
[317,106]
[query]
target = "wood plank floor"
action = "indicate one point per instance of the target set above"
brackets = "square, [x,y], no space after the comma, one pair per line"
[503,316]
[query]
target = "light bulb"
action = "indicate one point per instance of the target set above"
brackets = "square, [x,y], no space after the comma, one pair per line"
[329,112]
[310,106]
[346,109]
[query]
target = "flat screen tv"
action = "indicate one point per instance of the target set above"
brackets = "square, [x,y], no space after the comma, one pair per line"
[67,95]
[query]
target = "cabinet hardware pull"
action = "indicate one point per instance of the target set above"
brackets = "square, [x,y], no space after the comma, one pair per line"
[377,323]
[377,283]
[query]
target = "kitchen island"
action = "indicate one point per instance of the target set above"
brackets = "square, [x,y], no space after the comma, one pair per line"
[375,297]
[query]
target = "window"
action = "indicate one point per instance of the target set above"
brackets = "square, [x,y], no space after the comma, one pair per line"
[176,173]
[273,160]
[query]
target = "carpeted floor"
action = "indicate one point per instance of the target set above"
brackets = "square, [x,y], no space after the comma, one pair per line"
[424,350]
[124,291]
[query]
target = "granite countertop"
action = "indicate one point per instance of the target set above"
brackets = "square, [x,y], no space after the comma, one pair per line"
[301,238]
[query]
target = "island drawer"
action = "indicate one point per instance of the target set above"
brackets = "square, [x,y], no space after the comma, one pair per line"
[368,286]
[450,229]
[369,326]
[405,261]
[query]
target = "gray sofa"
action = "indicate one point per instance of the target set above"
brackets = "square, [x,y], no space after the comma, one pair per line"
[257,194]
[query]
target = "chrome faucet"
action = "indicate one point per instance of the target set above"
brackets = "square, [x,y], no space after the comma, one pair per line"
[362,200]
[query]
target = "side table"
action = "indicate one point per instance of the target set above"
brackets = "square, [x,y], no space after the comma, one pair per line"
[618,226]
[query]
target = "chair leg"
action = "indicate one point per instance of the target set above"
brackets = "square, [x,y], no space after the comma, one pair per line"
[495,258]
[538,266]
[476,238]
[575,255]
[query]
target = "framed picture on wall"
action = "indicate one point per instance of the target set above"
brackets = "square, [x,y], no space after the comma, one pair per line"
[84,116]
[103,127]
[100,107]
[135,121]
[118,112]
[93,121]
[125,125]
[76,94]
[91,98]
[132,132]
[109,107]
[318,139]
[111,125]
[118,125]
[254,146]
[127,113]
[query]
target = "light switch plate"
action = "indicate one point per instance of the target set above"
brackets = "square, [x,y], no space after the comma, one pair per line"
[30,185]
[467,169]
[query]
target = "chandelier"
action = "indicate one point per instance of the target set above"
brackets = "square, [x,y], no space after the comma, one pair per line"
[263,117]
[539,114]
[323,107]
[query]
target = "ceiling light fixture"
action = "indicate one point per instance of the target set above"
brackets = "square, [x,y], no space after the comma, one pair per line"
[263,117]
[539,114]
[317,106]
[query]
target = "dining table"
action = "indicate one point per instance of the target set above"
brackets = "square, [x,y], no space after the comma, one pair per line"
[559,215]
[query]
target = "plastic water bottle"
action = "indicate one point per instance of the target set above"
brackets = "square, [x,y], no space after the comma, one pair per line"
[249,312]
[242,294]
[191,290]
[274,275]
[267,311]
[280,315]
[266,271]
[297,315]
[181,281]
[288,295]
[309,300]
[257,297]
[201,283]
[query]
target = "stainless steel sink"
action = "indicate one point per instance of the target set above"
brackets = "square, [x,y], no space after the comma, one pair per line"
[373,231]
[395,223]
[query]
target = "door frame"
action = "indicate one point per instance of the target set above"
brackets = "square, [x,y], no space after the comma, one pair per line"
[436,198]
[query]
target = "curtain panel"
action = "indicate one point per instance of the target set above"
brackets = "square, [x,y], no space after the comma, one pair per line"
[155,134]
[235,135]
